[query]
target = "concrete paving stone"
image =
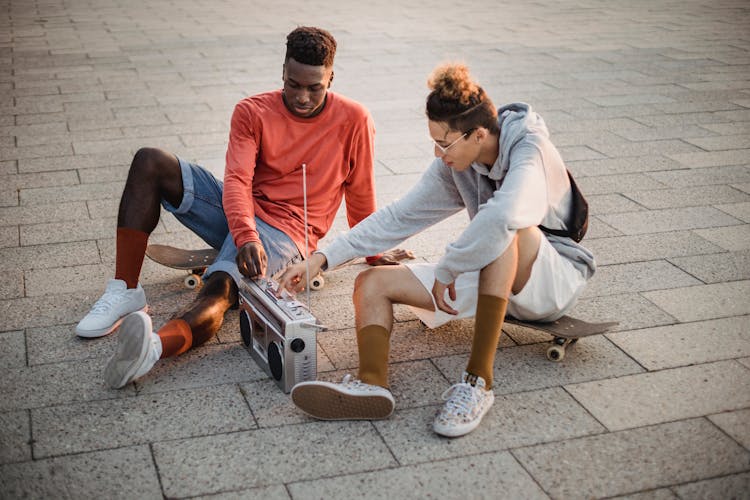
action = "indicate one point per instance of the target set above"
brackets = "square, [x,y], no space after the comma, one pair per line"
[170,143]
[705,301]
[631,310]
[717,268]
[646,247]
[8,198]
[739,211]
[270,406]
[514,420]
[731,238]
[57,344]
[81,192]
[669,219]
[62,232]
[62,430]
[612,166]
[611,203]
[48,256]
[633,460]
[618,183]
[636,277]
[68,137]
[54,384]
[15,437]
[203,366]
[735,486]
[579,153]
[13,285]
[409,342]
[620,100]
[526,368]
[721,143]
[654,147]
[121,473]
[686,343]
[667,395]
[13,216]
[687,196]
[49,128]
[37,151]
[734,423]
[444,479]
[659,133]
[658,494]
[74,162]
[13,352]
[8,167]
[706,176]
[276,492]
[64,280]
[681,119]
[728,128]
[266,457]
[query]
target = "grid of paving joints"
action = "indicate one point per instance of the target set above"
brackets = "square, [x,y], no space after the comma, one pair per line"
[651,114]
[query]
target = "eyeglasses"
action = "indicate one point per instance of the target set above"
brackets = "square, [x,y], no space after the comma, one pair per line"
[444,149]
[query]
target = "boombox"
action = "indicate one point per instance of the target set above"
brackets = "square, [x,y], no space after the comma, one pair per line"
[279,332]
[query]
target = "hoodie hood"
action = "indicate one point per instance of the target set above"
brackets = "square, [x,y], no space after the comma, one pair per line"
[516,121]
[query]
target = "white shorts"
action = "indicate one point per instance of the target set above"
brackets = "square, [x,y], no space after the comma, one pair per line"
[552,290]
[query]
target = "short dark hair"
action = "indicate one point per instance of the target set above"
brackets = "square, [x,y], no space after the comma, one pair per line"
[310,45]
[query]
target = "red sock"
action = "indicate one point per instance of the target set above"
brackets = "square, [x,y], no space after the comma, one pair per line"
[131,249]
[176,338]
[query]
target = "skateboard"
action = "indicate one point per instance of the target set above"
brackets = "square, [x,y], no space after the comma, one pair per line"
[565,332]
[195,263]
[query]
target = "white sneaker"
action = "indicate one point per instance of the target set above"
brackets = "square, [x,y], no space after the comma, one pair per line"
[138,350]
[107,312]
[349,400]
[465,405]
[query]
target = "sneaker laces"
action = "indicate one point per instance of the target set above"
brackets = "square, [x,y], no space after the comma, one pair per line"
[107,301]
[352,383]
[461,399]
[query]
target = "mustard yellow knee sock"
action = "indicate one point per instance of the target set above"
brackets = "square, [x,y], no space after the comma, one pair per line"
[373,343]
[488,325]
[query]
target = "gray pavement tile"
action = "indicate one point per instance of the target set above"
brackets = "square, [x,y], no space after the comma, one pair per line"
[525,368]
[15,435]
[667,395]
[514,420]
[62,430]
[686,343]
[663,147]
[8,198]
[45,311]
[266,457]
[270,406]
[611,203]
[658,494]
[55,384]
[645,247]
[704,302]
[579,153]
[103,174]
[721,143]
[49,258]
[59,343]
[658,133]
[65,279]
[636,277]
[12,349]
[70,162]
[8,167]
[716,268]
[616,183]
[687,196]
[21,153]
[16,215]
[122,473]
[45,196]
[735,424]
[728,128]
[669,219]
[711,158]
[456,478]
[631,310]
[633,460]
[12,287]
[39,180]
[203,366]
[706,176]
[732,238]
[276,492]
[739,211]
[735,486]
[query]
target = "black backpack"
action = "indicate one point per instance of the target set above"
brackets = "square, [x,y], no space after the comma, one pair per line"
[579,221]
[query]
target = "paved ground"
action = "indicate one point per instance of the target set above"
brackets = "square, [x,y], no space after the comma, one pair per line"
[649,102]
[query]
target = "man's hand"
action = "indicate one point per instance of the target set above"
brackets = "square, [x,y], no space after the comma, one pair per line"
[392,257]
[295,279]
[438,291]
[252,259]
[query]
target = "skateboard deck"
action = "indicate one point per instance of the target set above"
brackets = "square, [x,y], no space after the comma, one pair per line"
[196,262]
[193,261]
[565,332]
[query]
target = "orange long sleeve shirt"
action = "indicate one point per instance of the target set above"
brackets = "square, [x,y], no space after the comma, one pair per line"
[263,175]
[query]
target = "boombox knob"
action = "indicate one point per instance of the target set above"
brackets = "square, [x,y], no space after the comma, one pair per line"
[297,345]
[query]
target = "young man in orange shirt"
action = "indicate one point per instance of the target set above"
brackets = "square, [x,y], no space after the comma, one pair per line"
[255,218]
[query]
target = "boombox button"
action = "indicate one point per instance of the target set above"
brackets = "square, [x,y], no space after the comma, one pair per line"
[297,345]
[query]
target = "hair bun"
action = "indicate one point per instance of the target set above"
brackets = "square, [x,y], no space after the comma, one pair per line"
[452,82]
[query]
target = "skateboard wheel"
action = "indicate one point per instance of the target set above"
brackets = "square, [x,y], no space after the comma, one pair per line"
[317,282]
[192,281]
[555,353]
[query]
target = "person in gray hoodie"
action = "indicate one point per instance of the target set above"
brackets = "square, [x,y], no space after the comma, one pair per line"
[499,165]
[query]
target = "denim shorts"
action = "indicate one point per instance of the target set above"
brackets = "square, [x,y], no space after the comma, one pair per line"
[201,211]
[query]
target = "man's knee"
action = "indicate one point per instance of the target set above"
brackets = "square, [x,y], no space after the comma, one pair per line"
[220,285]
[368,282]
[153,164]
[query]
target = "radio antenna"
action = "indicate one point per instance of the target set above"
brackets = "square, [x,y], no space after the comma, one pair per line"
[307,248]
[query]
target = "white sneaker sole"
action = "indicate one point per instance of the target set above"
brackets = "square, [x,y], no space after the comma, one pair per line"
[101,332]
[326,401]
[133,343]
[461,430]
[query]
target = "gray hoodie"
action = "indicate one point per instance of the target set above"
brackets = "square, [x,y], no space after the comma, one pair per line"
[527,186]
